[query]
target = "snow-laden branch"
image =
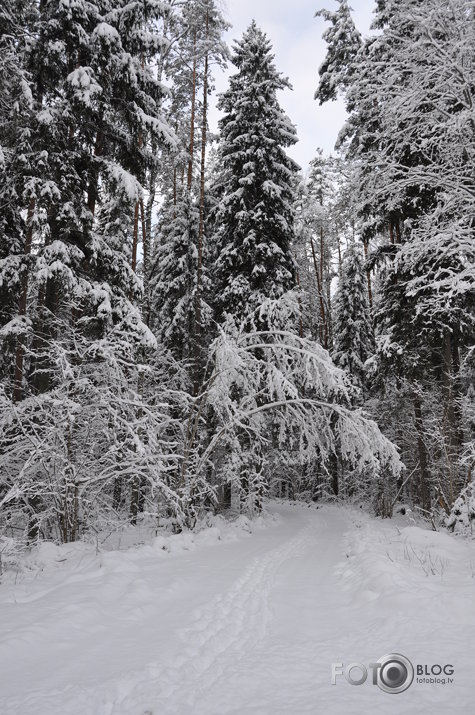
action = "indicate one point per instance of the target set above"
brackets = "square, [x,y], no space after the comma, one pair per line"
[277,387]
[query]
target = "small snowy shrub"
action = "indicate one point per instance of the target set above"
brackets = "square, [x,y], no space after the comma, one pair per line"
[462,516]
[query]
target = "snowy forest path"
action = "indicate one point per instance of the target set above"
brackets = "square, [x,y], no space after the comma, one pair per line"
[249,626]
[231,632]
[271,589]
[145,636]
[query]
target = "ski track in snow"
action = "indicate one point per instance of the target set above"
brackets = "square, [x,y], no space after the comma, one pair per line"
[225,631]
[243,628]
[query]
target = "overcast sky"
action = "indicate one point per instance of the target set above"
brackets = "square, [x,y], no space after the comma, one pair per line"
[296,36]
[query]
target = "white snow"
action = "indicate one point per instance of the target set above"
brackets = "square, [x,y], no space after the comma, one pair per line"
[240,620]
[107,32]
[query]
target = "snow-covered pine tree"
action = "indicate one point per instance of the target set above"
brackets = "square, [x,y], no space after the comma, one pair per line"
[353,336]
[312,308]
[315,244]
[179,281]
[256,217]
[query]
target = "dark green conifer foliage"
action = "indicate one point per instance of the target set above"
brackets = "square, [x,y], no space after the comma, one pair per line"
[353,331]
[256,216]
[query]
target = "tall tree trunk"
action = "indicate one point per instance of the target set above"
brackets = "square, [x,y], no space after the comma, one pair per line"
[138,494]
[297,277]
[147,246]
[20,351]
[324,324]
[135,237]
[139,214]
[135,501]
[334,474]
[145,243]
[398,233]
[193,114]
[117,493]
[199,276]
[340,258]
[424,475]
[47,309]
[152,188]
[322,257]
[139,484]
[92,190]
[391,233]
[328,314]
[368,275]
[451,412]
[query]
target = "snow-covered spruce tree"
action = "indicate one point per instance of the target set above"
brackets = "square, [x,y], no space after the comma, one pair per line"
[344,42]
[353,335]
[256,216]
[16,117]
[82,182]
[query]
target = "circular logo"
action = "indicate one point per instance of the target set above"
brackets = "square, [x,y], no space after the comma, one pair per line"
[395,674]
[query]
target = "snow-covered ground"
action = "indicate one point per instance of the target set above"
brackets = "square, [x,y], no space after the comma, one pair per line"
[242,621]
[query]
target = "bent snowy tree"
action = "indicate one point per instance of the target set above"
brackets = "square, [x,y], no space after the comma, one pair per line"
[278,404]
